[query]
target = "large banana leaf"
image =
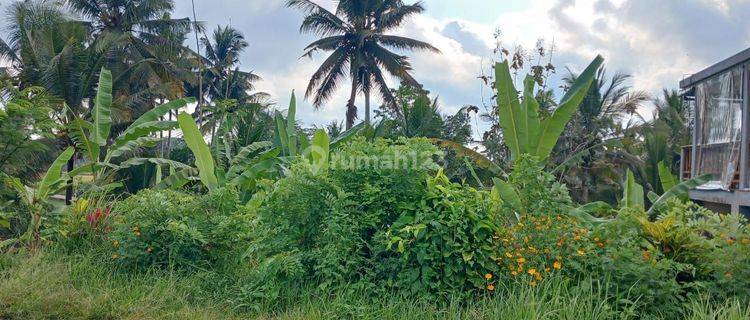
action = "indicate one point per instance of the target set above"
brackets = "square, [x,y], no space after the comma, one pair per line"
[347,135]
[51,179]
[291,129]
[157,112]
[141,130]
[133,145]
[508,108]
[132,162]
[529,116]
[77,131]
[464,151]
[102,112]
[509,195]
[281,135]
[245,153]
[668,180]
[203,158]
[321,144]
[632,193]
[679,190]
[553,126]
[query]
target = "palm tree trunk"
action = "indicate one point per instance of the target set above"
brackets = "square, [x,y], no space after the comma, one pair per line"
[69,188]
[351,110]
[367,107]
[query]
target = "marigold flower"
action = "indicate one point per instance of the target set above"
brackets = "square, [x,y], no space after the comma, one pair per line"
[646,255]
[521,260]
[491,287]
[514,273]
[557,265]
[581,252]
[532,271]
[533,283]
[600,245]
[488,276]
[730,241]
[115,256]
[596,239]
[509,255]
[577,238]
[538,276]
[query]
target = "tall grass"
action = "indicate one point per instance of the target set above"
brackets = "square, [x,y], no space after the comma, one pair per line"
[52,285]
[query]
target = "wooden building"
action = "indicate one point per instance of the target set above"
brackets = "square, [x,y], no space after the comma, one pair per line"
[720,127]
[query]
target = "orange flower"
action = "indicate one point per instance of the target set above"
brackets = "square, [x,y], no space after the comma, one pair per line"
[557,265]
[488,276]
[646,255]
[533,283]
[532,271]
[490,287]
[600,245]
[730,241]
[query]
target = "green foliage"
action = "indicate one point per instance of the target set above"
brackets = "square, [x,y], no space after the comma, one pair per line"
[203,158]
[444,241]
[523,130]
[177,230]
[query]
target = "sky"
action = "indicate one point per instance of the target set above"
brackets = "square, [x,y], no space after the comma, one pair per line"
[658,42]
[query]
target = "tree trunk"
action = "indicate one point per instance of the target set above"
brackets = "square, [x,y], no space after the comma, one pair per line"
[351,110]
[367,107]
[69,188]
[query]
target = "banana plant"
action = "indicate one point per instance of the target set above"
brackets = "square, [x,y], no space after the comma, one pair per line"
[523,130]
[93,137]
[37,197]
[633,192]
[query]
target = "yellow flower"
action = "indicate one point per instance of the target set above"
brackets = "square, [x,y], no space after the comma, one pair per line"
[646,255]
[581,252]
[509,255]
[596,239]
[116,243]
[488,276]
[149,249]
[577,238]
[728,274]
[490,287]
[521,260]
[532,271]
[533,283]
[557,265]
[538,276]
[114,256]
[745,241]
[514,273]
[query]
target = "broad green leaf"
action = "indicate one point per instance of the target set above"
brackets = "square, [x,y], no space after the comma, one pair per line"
[508,107]
[347,135]
[158,111]
[53,174]
[243,155]
[553,126]
[102,112]
[632,193]
[291,130]
[668,180]
[281,134]
[139,131]
[78,134]
[238,169]
[464,151]
[132,162]
[177,179]
[320,150]
[509,195]
[584,212]
[679,190]
[203,158]
[133,145]
[529,118]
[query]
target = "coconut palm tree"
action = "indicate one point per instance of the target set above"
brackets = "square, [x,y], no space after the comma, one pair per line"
[356,37]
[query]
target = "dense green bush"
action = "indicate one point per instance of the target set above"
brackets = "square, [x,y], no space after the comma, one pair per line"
[169,228]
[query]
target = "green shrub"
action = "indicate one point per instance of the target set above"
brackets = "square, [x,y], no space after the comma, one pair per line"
[445,240]
[168,228]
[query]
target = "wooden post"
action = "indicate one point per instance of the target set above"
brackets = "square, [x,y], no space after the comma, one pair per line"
[696,129]
[744,133]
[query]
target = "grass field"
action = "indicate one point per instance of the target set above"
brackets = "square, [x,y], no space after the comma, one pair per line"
[52,285]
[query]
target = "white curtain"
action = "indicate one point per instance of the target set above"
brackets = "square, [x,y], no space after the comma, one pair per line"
[719,110]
